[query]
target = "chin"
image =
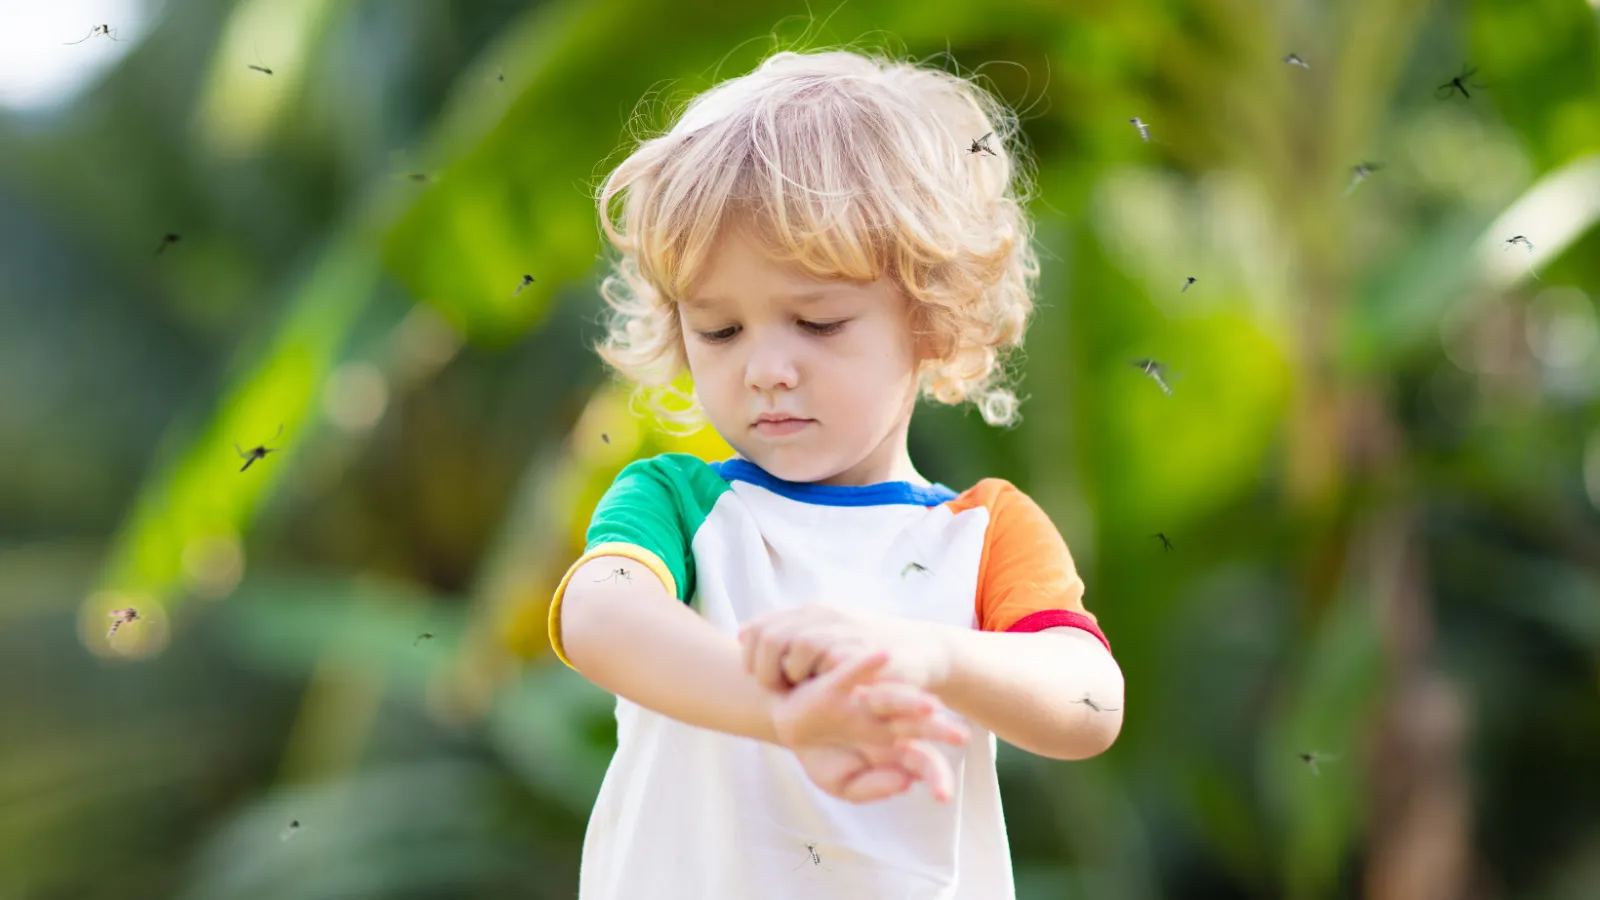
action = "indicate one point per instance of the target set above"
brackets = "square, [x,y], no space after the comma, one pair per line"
[789,465]
[788,468]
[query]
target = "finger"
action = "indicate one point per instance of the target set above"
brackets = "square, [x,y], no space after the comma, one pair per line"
[857,671]
[892,699]
[924,762]
[800,661]
[768,664]
[835,782]
[752,633]
[877,783]
[935,728]
[912,713]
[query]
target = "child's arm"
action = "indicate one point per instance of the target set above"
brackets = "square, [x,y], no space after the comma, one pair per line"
[633,638]
[630,636]
[1057,693]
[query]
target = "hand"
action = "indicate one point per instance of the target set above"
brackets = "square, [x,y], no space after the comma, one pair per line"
[784,648]
[841,708]
[877,773]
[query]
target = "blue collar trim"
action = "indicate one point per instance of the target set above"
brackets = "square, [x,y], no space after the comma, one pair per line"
[887,493]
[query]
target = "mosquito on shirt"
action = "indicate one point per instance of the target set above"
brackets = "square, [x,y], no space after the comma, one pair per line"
[812,857]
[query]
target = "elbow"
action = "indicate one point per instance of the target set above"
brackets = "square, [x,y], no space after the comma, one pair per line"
[1095,725]
[1092,738]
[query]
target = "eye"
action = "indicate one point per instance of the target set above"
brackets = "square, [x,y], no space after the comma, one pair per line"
[823,328]
[720,336]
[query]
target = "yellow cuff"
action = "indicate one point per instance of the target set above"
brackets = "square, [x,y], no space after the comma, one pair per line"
[630,551]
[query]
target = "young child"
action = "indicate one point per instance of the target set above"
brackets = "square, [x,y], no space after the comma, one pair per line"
[799,634]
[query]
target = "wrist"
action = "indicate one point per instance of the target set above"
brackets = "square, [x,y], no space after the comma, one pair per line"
[943,648]
[770,726]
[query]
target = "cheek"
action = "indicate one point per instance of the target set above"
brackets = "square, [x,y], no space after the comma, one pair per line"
[714,375]
[878,377]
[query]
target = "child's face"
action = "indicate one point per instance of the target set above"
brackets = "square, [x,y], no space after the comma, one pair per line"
[764,338]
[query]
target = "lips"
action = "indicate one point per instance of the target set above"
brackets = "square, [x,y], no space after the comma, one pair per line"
[780,424]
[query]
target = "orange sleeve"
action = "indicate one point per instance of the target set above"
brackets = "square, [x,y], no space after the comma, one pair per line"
[1026,578]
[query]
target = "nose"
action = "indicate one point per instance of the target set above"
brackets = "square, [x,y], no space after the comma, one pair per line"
[772,364]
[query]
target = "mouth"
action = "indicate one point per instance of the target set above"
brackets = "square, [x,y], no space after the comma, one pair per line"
[778,426]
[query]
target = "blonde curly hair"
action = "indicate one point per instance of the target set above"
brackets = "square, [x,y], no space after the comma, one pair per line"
[853,167]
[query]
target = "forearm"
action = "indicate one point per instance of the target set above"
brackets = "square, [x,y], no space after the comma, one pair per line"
[1029,689]
[643,644]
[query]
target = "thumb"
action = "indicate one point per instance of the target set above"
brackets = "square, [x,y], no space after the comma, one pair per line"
[877,783]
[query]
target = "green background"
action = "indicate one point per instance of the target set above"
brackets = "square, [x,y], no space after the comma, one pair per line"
[1379,469]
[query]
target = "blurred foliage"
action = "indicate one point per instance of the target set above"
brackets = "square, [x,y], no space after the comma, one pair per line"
[1379,470]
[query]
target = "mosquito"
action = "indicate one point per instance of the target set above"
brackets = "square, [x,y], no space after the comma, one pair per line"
[168,240]
[1311,760]
[605,438]
[121,617]
[1523,240]
[1361,173]
[1459,83]
[1294,59]
[250,456]
[1144,129]
[1156,371]
[981,145]
[98,29]
[913,567]
[291,831]
[526,280]
[616,573]
[260,66]
[811,857]
[1166,545]
[422,637]
[1089,702]
[1187,283]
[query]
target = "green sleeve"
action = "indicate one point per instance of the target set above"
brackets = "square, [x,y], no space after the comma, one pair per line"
[659,504]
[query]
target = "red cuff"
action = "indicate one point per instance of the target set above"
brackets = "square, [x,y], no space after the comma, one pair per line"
[1056,618]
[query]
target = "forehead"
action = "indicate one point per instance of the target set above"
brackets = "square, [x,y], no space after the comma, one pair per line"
[739,266]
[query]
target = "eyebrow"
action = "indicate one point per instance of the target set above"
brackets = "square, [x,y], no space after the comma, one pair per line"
[803,297]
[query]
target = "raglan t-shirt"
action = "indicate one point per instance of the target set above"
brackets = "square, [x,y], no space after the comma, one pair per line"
[691,813]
